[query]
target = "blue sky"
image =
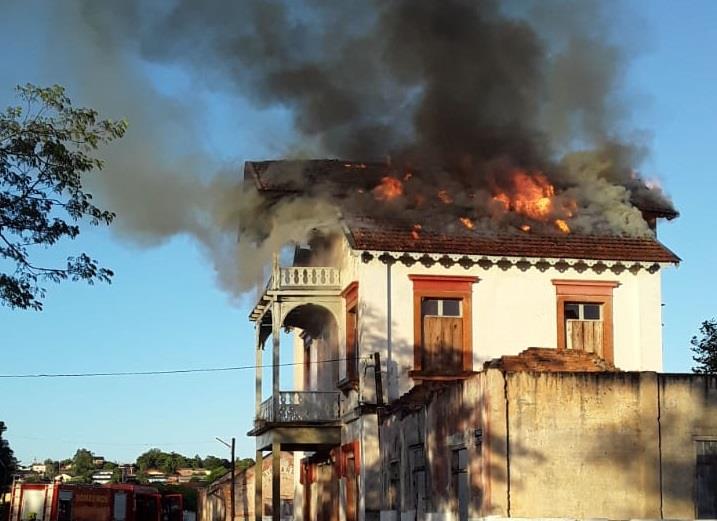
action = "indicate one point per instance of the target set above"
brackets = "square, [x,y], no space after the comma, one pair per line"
[165,310]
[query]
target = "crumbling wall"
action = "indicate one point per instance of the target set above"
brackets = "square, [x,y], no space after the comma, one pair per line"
[547,445]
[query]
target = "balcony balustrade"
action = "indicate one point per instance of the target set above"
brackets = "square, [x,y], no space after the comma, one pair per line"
[318,277]
[301,407]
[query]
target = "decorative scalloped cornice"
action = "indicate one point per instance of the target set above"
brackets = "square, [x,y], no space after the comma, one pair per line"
[505,263]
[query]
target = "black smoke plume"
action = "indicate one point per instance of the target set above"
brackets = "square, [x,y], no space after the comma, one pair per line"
[460,93]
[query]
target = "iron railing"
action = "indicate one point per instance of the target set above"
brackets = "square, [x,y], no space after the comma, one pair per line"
[300,407]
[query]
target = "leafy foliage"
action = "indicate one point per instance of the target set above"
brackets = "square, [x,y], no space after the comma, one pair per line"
[169,462]
[45,153]
[705,348]
[83,466]
[8,463]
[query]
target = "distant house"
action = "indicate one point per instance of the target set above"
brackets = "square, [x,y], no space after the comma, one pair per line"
[128,471]
[38,468]
[155,476]
[102,477]
[63,478]
[98,461]
[185,475]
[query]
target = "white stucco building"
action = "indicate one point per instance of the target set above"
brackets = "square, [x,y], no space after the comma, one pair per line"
[431,307]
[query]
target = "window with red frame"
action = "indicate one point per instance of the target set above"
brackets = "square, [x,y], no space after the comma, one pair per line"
[442,325]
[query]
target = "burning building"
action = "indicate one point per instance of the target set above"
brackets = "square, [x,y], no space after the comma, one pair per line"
[413,315]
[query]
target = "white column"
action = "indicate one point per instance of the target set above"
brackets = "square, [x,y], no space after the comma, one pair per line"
[275,336]
[258,373]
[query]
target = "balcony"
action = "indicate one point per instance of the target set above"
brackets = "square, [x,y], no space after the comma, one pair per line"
[306,421]
[301,407]
[296,282]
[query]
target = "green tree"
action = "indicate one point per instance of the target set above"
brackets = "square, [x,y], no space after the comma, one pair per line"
[149,460]
[705,348]
[245,463]
[217,473]
[116,475]
[8,463]
[212,462]
[46,148]
[83,466]
[197,462]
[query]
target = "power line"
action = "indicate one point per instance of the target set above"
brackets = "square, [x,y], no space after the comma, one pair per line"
[170,371]
[113,444]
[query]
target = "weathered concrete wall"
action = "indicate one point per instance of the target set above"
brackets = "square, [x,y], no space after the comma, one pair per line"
[583,445]
[688,413]
[558,445]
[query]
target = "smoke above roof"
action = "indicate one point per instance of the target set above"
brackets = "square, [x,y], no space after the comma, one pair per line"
[460,94]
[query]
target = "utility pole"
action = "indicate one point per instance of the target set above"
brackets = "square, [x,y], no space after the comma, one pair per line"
[233,471]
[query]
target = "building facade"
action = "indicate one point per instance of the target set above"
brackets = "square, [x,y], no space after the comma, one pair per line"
[214,500]
[397,314]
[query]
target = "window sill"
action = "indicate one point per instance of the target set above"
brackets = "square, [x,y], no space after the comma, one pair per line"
[434,377]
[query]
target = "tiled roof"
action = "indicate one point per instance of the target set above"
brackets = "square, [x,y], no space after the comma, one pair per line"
[518,244]
[293,176]
[381,234]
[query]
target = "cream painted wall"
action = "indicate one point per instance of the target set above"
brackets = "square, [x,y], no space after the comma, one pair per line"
[512,310]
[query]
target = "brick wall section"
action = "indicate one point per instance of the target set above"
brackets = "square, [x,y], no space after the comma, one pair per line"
[537,359]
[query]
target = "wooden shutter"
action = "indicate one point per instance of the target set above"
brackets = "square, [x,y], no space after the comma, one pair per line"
[442,344]
[585,335]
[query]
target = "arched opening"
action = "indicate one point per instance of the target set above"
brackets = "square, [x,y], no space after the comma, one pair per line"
[318,346]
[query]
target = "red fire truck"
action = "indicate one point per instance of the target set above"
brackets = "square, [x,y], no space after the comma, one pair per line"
[111,502]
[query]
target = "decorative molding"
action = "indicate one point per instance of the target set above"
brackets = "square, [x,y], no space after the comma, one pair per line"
[584,287]
[487,262]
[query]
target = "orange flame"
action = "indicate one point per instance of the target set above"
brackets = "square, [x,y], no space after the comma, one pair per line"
[389,189]
[562,225]
[532,195]
[467,222]
[504,199]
